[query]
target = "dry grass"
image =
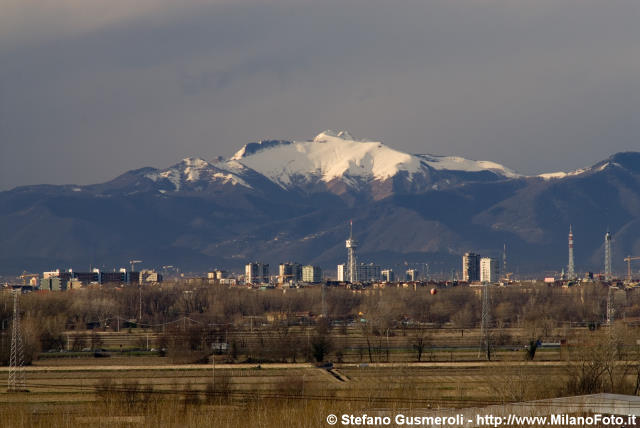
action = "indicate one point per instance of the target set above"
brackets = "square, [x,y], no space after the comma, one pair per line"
[265,397]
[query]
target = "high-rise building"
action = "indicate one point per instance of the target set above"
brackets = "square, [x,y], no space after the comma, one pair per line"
[311,274]
[471,267]
[289,272]
[571,271]
[489,269]
[256,273]
[368,272]
[411,275]
[607,257]
[388,275]
[341,273]
[351,244]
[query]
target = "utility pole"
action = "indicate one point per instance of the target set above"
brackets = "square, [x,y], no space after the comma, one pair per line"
[324,307]
[610,309]
[213,371]
[16,381]
[387,344]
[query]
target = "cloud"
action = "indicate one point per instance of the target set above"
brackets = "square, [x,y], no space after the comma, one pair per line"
[538,86]
[24,21]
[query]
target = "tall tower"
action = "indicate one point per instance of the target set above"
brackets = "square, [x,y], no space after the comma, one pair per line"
[16,381]
[504,259]
[351,244]
[607,257]
[571,271]
[485,344]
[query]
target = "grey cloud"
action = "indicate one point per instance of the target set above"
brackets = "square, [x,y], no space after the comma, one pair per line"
[538,86]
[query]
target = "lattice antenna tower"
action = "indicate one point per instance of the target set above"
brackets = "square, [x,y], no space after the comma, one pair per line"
[571,271]
[484,326]
[16,381]
[607,257]
[351,245]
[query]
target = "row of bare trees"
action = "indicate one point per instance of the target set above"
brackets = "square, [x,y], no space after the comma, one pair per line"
[541,309]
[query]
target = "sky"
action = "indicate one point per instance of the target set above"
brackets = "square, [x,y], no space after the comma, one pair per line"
[90,89]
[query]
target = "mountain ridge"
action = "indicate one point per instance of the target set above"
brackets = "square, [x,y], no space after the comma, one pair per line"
[201,214]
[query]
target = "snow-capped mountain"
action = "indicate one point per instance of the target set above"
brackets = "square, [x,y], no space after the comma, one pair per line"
[333,161]
[194,172]
[278,200]
[329,156]
[337,156]
[628,160]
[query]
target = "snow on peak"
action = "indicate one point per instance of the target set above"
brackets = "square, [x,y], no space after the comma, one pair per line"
[456,163]
[620,160]
[338,156]
[252,148]
[331,134]
[560,174]
[195,162]
[191,170]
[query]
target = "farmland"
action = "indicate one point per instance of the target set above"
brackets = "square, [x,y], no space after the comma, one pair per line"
[239,356]
[86,389]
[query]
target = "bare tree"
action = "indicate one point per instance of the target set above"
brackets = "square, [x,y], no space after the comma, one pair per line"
[419,342]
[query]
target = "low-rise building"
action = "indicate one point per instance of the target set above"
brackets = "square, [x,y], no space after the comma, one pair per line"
[150,276]
[218,274]
[54,283]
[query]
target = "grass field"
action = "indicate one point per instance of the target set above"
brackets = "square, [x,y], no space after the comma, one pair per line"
[177,395]
[140,388]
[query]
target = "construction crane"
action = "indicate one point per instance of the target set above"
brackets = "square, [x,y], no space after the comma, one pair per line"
[26,275]
[628,259]
[133,263]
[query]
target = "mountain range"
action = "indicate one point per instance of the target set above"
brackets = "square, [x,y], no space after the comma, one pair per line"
[279,200]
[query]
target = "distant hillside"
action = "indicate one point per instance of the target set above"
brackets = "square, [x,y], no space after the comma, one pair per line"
[285,200]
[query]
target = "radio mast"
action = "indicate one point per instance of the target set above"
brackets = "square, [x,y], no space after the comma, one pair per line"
[351,245]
